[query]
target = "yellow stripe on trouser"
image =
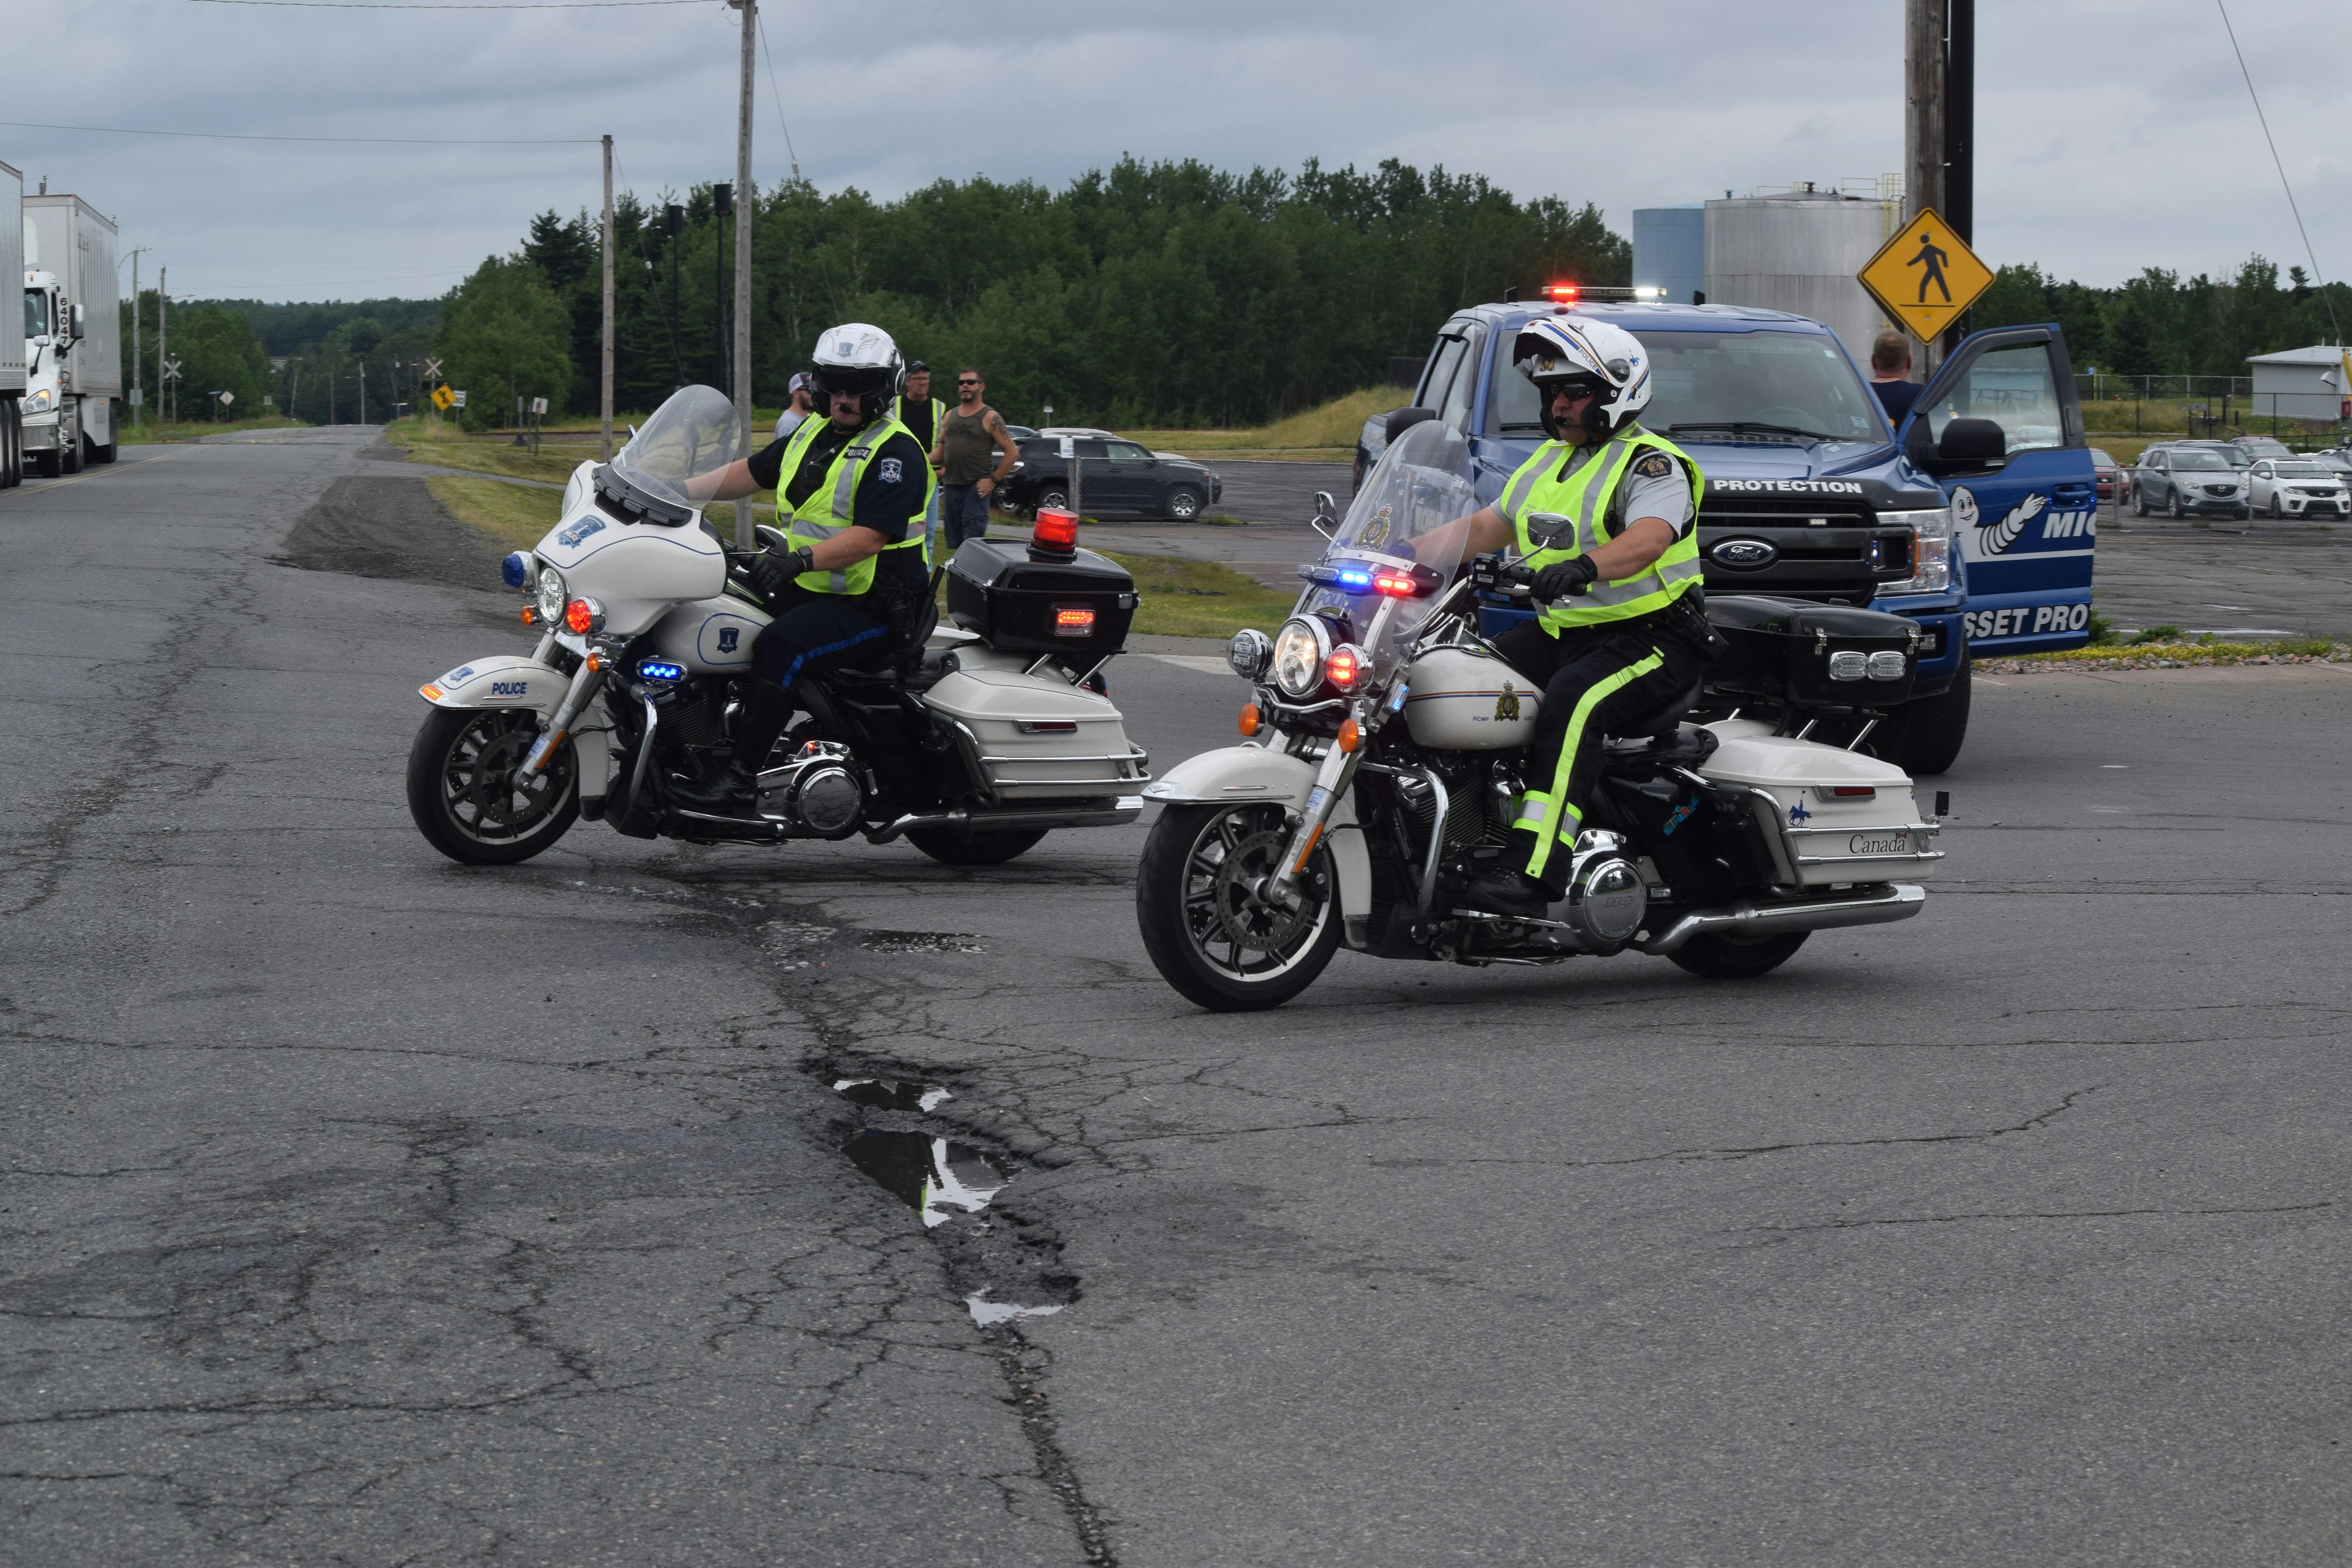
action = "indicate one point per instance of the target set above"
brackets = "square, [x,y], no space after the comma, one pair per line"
[1538,811]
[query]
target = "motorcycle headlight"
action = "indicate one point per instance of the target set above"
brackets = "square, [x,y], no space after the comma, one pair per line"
[1300,649]
[551,596]
[1249,653]
[1931,550]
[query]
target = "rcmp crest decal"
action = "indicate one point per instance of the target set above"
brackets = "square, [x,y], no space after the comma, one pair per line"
[1507,706]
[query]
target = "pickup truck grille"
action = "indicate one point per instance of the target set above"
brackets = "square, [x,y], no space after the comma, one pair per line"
[1833,552]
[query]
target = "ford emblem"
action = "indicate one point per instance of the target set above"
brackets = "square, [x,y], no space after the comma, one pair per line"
[1744,554]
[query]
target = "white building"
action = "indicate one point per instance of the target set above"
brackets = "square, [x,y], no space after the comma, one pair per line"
[2301,384]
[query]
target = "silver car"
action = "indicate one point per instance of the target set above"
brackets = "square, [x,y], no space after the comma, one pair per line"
[2182,480]
[2298,487]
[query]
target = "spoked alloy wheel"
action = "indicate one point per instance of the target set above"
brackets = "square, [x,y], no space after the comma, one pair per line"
[1209,932]
[461,793]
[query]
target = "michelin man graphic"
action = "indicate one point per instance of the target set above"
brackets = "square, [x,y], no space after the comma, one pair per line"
[1994,538]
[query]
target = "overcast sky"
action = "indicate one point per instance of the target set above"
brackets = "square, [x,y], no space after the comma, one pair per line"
[2111,136]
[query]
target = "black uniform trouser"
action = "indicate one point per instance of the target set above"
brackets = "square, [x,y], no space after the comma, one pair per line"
[1594,678]
[815,632]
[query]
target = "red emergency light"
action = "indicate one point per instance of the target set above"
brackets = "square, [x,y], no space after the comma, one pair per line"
[1563,293]
[1056,532]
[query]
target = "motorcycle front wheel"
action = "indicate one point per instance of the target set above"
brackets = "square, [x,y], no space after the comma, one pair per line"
[461,789]
[1208,933]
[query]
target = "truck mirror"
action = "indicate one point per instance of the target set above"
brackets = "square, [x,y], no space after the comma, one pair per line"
[1973,443]
[1404,419]
[81,331]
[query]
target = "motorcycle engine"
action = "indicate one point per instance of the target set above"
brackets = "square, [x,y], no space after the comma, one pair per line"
[1606,895]
[821,791]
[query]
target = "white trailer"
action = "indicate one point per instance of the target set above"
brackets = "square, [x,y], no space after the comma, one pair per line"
[74,334]
[12,342]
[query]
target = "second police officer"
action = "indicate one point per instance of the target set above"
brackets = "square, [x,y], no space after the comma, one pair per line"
[1606,514]
[853,487]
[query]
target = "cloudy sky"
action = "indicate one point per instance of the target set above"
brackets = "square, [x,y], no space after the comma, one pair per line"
[2112,136]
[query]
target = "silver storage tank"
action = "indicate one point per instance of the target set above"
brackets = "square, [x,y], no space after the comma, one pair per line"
[1799,253]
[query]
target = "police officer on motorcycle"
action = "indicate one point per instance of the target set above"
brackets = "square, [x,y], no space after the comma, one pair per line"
[853,485]
[1604,516]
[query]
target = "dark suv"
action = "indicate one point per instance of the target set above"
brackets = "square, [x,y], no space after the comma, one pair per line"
[1114,476]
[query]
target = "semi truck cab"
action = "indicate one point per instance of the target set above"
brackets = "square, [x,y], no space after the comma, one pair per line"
[1973,517]
[52,326]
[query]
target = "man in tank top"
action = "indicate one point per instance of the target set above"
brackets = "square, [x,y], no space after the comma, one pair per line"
[974,455]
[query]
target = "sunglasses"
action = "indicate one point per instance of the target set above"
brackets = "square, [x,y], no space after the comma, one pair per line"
[966,381]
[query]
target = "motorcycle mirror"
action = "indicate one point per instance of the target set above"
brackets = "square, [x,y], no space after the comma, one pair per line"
[1327,513]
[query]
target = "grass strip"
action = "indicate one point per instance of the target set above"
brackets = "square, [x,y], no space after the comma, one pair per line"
[155,433]
[514,515]
[2178,656]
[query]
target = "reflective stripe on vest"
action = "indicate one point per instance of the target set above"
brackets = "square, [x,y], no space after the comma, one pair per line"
[1583,499]
[831,506]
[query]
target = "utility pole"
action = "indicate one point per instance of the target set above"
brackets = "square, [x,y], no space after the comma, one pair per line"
[362,392]
[1959,134]
[1923,119]
[162,316]
[674,224]
[747,212]
[138,397]
[723,202]
[605,407]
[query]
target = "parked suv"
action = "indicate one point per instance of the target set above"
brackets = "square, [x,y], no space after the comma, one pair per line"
[2296,487]
[2182,478]
[1115,476]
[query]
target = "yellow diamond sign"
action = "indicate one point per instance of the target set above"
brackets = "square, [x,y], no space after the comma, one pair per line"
[1926,276]
[442,398]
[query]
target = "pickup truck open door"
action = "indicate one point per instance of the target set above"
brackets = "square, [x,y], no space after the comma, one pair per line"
[2001,429]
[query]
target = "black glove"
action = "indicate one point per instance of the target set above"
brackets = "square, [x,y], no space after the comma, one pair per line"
[771,574]
[1562,578]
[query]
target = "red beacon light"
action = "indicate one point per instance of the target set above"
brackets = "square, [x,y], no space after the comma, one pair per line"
[1396,584]
[1564,293]
[1347,667]
[1057,533]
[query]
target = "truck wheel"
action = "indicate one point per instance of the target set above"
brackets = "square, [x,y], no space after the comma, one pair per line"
[69,450]
[1736,958]
[105,454]
[12,446]
[1183,503]
[1053,498]
[1928,731]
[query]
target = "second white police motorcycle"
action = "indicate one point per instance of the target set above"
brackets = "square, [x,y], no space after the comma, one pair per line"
[1386,756]
[972,744]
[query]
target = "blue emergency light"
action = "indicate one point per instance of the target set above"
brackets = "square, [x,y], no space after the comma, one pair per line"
[657,670]
[515,569]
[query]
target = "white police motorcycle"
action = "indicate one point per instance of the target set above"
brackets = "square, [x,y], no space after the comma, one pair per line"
[974,742]
[1385,756]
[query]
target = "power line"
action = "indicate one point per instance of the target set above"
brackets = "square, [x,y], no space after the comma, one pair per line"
[486,6]
[2317,277]
[777,93]
[373,141]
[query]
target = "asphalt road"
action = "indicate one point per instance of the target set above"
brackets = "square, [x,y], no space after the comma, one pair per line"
[361,1208]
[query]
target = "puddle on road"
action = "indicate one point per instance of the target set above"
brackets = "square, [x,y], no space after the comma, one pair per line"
[892,1094]
[922,941]
[929,1175]
[988,1313]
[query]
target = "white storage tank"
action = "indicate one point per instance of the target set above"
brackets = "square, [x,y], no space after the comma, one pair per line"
[1798,252]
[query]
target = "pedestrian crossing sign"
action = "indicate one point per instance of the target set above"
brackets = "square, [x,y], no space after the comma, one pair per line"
[1925,276]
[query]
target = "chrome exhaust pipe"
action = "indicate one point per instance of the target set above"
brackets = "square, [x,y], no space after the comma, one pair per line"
[1899,902]
[1129,808]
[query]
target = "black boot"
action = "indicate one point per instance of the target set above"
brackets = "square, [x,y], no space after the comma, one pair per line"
[735,791]
[1502,890]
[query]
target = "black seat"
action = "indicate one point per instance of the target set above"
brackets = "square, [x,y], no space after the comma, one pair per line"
[1660,722]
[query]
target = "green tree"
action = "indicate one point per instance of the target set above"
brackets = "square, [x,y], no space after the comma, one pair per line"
[503,335]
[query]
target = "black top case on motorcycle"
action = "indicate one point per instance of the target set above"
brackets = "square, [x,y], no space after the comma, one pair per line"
[1027,600]
[1804,655]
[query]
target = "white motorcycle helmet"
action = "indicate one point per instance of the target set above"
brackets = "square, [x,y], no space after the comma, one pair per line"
[1602,355]
[859,359]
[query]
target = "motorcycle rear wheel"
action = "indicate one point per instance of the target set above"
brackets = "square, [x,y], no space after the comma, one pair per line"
[960,847]
[1736,958]
[1192,904]
[461,800]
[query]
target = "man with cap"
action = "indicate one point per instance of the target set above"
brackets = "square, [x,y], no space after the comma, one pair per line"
[919,412]
[800,407]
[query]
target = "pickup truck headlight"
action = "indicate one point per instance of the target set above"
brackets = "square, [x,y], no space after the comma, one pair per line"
[1931,550]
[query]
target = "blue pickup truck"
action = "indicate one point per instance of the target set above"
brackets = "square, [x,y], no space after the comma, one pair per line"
[1974,517]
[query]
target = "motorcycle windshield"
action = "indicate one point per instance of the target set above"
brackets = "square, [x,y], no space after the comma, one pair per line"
[1398,522]
[691,435]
